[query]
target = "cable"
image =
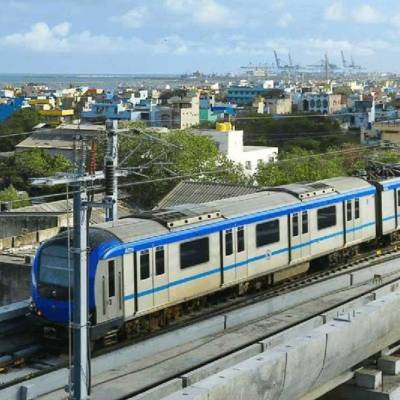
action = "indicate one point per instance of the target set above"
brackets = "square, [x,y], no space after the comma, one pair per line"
[101,188]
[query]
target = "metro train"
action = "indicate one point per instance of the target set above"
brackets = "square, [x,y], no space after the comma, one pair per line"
[147,265]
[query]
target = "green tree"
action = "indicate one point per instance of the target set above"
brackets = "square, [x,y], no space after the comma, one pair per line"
[21,121]
[299,165]
[170,157]
[15,198]
[18,170]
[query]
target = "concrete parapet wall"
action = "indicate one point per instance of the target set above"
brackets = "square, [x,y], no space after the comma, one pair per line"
[303,364]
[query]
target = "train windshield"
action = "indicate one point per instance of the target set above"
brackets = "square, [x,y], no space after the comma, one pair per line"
[55,266]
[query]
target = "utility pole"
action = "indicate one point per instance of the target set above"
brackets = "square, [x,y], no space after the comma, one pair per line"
[78,180]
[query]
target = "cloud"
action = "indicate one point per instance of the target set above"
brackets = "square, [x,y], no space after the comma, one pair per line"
[285,20]
[203,12]
[335,12]
[367,14]
[133,18]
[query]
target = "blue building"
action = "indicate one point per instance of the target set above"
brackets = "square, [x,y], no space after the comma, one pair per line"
[10,107]
[244,95]
[101,111]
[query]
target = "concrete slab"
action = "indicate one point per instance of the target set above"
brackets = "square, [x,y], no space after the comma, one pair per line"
[374,273]
[14,310]
[221,364]
[286,301]
[191,393]
[160,391]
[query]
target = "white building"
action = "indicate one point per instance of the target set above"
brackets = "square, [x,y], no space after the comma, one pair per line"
[230,143]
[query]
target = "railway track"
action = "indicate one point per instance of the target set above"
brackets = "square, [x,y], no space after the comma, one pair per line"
[22,355]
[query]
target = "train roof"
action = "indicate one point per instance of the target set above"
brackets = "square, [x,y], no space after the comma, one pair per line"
[175,219]
[388,184]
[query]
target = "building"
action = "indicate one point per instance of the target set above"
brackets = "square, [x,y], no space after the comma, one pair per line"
[108,109]
[60,140]
[57,116]
[323,103]
[176,112]
[230,143]
[244,95]
[273,106]
[8,106]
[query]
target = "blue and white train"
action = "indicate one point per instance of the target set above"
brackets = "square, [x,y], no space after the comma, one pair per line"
[149,264]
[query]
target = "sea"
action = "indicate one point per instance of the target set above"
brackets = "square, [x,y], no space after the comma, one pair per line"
[105,81]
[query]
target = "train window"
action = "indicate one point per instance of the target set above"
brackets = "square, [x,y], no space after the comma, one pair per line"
[111,278]
[295,224]
[240,239]
[326,217]
[267,233]
[195,252]
[398,198]
[349,210]
[304,222]
[144,265]
[228,242]
[357,209]
[160,261]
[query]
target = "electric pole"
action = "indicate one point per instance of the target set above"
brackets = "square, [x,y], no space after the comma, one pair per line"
[78,180]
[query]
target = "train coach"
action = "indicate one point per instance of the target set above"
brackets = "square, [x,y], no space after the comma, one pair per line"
[147,264]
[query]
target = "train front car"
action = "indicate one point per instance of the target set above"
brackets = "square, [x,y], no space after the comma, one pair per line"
[52,281]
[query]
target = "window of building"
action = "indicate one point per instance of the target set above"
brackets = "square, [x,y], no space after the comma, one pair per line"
[195,252]
[357,208]
[160,261]
[228,242]
[267,233]
[295,224]
[304,222]
[111,278]
[240,239]
[326,217]
[144,265]
[248,164]
[349,209]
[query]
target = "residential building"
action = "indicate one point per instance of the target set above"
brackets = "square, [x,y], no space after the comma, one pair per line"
[60,140]
[108,109]
[177,112]
[244,95]
[273,106]
[230,143]
[323,103]
[10,106]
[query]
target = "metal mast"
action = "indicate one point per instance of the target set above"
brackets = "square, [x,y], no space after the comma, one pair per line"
[110,170]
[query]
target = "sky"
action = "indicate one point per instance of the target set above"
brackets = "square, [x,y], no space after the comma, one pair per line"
[181,36]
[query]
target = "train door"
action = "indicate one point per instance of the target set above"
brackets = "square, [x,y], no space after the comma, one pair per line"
[110,275]
[160,276]
[144,280]
[228,249]
[300,236]
[304,227]
[295,237]
[241,252]
[358,233]
[349,220]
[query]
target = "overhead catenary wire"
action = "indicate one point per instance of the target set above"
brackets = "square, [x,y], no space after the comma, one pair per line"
[99,188]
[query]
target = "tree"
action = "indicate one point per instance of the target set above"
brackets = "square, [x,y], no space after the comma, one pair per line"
[312,132]
[299,165]
[171,157]
[21,121]
[15,198]
[17,170]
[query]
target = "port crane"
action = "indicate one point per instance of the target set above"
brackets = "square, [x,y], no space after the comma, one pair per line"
[352,65]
